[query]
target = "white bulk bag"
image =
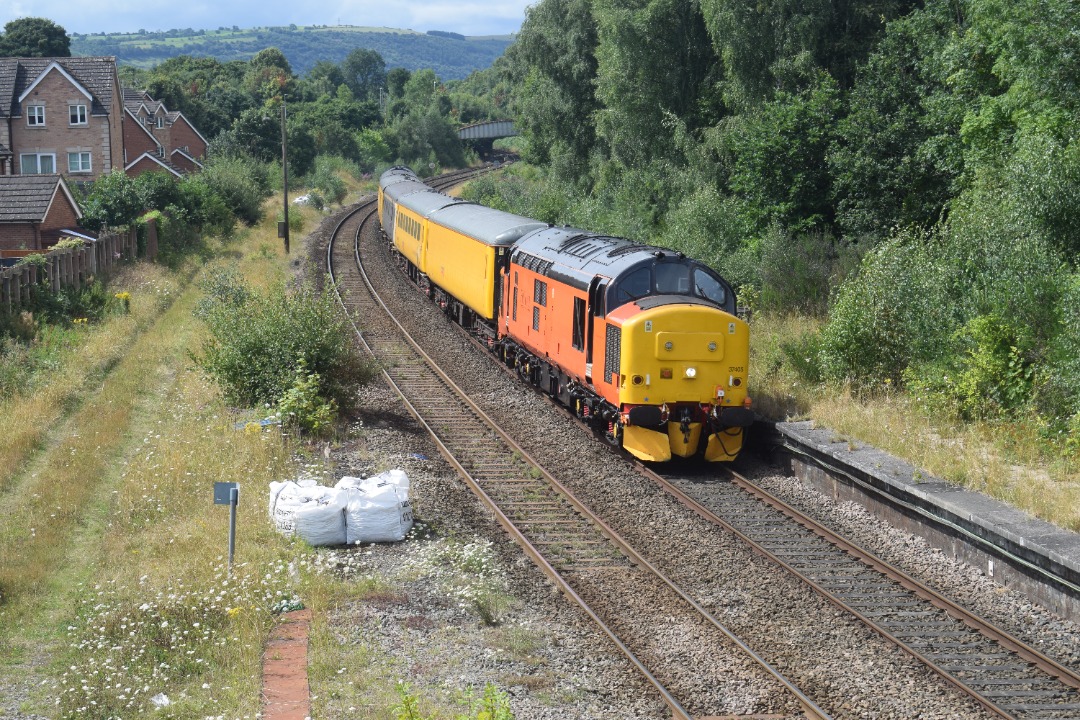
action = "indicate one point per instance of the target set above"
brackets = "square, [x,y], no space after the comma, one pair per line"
[316,514]
[376,512]
[395,477]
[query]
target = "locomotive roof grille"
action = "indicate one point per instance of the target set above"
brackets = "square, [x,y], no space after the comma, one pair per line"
[627,249]
[534,263]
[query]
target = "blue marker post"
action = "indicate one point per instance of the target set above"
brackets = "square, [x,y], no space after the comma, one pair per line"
[228,493]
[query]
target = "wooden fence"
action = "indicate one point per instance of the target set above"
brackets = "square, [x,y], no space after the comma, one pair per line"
[70,267]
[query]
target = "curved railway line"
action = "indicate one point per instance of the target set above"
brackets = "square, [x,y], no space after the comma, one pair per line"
[585,558]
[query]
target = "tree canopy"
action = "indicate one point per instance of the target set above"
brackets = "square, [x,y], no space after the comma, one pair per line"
[34,37]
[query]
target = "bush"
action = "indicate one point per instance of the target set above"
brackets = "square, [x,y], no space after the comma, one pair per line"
[241,183]
[798,272]
[302,407]
[1057,386]
[257,343]
[324,179]
[893,312]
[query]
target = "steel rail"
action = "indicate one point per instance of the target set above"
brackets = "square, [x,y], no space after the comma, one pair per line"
[1029,654]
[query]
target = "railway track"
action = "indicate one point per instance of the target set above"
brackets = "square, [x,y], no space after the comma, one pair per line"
[585,559]
[1003,674]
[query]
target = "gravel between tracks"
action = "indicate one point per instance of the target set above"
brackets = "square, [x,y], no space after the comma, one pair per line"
[844,666]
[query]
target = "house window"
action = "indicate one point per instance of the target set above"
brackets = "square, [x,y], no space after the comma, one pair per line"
[161,122]
[77,114]
[35,116]
[78,162]
[37,163]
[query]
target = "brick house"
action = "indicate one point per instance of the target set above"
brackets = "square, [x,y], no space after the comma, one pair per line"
[176,141]
[60,115]
[149,161]
[36,211]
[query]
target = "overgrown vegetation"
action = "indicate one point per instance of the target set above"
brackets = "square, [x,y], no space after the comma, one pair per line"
[291,351]
[903,172]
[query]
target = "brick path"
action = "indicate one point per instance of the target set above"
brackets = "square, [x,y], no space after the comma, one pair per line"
[285,693]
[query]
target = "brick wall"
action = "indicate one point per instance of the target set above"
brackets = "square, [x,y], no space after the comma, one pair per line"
[61,214]
[144,165]
[18,236]
[182,135]
[136,141]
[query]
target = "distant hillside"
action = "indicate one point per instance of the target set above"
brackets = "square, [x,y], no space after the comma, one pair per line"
[451,56]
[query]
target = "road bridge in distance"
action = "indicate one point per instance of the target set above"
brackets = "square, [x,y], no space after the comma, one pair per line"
[482,136]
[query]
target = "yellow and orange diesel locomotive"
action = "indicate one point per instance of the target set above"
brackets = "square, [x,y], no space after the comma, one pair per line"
[642,342]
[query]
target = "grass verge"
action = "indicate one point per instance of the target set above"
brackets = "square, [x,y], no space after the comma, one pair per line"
[1007,461]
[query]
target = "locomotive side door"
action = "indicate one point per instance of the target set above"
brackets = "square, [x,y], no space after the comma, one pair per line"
[597,295]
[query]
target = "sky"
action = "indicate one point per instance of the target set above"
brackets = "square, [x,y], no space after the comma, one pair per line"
[468,17]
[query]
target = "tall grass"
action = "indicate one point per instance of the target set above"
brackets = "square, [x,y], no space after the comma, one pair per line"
[77,361]
[1006,460]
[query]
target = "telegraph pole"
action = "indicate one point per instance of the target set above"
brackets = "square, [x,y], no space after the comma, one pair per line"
[285,177]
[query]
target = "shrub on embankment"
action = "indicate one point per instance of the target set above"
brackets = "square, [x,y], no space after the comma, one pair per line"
[290,350]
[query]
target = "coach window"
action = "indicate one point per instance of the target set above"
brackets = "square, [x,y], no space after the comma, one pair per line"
[579,323]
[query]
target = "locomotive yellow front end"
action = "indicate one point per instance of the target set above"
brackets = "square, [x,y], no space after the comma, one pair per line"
[682,380]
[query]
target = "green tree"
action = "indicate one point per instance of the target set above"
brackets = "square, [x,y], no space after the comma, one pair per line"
[34,37]
[898,156]
[113,201]
[364,71]
[654,61]
[777,156]
[552,67]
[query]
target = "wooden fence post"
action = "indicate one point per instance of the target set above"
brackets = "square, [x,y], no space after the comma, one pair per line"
[16,290]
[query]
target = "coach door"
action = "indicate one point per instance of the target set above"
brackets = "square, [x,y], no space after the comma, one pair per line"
[597,294]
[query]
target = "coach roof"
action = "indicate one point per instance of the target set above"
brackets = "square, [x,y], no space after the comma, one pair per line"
[489,226]
[425,203]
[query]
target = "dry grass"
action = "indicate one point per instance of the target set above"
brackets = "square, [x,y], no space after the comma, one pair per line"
[1007,462]
[27,419]
[112,553]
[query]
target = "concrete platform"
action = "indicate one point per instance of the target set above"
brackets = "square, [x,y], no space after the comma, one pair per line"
[1015,549]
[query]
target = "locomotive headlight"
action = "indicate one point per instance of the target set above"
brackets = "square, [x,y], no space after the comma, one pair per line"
[712,347]
[691,372]
[668,345]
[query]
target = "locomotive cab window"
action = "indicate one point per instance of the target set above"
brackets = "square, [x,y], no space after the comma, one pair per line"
[708,287]
[635,285]
[672,279]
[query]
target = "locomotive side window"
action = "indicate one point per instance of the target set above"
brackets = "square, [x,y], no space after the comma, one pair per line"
[579,324]
[708,287]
